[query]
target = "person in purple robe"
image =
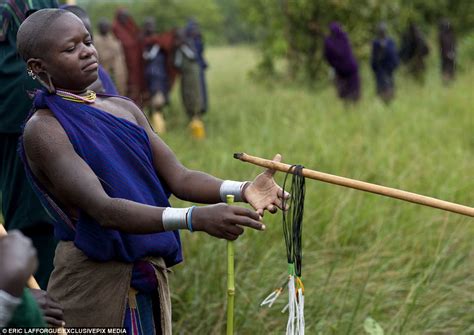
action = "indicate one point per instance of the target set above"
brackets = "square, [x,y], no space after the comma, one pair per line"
[106,178]
[338,53]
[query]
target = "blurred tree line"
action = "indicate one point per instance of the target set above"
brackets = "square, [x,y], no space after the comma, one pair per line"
[220,20]
[295,30]
[292,29]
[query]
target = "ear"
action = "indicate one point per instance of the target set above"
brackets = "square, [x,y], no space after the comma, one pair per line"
[36,65]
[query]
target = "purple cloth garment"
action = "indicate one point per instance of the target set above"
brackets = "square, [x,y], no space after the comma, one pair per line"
[338,51]
[119,153]
[107,83]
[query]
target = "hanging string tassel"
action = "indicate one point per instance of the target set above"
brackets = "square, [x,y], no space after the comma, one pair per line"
[272,297]
[292,231]
[300,309]
[292,305]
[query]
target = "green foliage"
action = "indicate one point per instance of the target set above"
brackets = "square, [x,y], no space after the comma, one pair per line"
[409,267]
[168,13]
[295,29]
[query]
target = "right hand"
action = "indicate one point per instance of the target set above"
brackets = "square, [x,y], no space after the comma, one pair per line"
[224,221]
[18,262]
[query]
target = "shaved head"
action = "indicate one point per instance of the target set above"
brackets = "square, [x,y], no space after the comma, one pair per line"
[34,33]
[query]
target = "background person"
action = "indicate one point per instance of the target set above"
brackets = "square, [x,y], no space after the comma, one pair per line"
[128,33]
[193,32]
[384,61]
[413,51]
[338,53]
[111,55]
[447,47]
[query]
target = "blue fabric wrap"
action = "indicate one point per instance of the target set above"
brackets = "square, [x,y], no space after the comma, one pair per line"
[119,153]
[107,83]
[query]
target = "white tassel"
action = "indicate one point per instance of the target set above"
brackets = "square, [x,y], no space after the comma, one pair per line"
[271,298]
[300,313]
[290,326]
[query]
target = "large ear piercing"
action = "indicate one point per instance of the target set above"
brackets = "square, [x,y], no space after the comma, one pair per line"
[50,87]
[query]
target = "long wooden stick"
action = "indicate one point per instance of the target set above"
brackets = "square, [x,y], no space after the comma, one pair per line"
[362,186]
[31,283]
[230,280]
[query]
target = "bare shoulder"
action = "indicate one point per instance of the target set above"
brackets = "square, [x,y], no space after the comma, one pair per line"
[131,107]
[43,134]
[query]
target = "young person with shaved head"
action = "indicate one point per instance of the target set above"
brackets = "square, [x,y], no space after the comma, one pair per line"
[107,177]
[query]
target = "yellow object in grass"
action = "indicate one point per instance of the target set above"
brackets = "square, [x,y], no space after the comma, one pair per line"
[197,129]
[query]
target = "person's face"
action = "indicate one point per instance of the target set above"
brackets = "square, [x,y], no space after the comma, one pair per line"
[71,59]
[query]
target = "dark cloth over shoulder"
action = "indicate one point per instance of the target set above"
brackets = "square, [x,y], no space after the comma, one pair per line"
[14,81]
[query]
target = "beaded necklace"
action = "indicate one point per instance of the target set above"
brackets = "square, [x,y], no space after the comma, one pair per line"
[88,98]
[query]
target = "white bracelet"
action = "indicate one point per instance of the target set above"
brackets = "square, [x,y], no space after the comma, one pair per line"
[174,218]
[230,187]
[8,304]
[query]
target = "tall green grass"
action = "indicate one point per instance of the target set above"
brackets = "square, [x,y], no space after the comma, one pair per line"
[408,267]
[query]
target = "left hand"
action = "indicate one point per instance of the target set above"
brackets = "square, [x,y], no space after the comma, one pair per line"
[263,193]
[52,310]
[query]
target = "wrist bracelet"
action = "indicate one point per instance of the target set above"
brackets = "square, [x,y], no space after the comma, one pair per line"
[189,219]
[230,187]
[174,218]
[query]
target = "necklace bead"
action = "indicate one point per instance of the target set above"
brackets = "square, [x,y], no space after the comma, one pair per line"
[89,97]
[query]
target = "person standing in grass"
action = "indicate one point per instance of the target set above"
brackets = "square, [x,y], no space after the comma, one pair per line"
[447,46]
[193,32]
[106,177]
[111,55]
[384,61]
[413,51]
[157,51]
[339,55]
[186,60]
[128,33]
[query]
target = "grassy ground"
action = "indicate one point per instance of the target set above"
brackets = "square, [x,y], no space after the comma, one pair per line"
[410,268]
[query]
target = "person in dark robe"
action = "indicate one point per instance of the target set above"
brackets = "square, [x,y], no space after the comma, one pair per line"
[447,45]
[193,32]
[185,59]
[156,76]
[413,51]
[338,53]
[384,61]
[19,205]
[128,33]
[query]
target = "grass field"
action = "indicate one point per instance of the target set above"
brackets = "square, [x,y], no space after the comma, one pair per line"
[409,268]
